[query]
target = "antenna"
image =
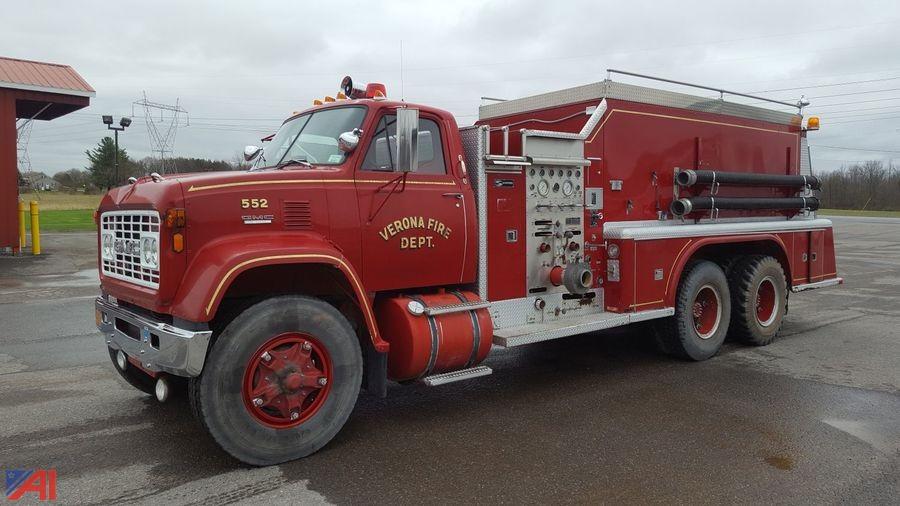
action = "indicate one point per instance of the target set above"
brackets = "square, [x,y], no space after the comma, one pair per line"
[402,94]
[162,130]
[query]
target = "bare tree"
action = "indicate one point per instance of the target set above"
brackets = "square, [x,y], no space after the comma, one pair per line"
[869,185]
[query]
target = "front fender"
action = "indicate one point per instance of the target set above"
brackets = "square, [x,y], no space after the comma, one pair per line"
[217,264]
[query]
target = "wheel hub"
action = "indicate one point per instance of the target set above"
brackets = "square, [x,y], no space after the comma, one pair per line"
[766,302]
[287,380]
[707,312]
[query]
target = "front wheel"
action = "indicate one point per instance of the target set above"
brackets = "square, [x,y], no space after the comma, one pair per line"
[702,313]
[280,381]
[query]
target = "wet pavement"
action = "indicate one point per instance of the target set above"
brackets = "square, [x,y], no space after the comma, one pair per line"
[814,417]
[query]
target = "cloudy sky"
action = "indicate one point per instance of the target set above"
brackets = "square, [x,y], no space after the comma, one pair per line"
[239,68]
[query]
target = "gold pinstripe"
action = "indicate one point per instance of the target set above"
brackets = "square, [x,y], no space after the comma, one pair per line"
[682,118]
[319,256]
[312,181]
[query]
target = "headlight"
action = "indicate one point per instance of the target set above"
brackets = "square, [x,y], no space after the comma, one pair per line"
[106,246]
[150,251]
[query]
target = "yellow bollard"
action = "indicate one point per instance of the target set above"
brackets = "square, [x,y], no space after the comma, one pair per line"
[21,225]
[35,229]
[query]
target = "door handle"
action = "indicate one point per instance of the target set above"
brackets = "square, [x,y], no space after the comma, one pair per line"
[454,195]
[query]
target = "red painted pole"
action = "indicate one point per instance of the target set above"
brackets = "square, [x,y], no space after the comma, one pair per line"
[9,181]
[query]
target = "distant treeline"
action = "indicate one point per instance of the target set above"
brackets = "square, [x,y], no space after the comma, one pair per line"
[101,172]
[869,185]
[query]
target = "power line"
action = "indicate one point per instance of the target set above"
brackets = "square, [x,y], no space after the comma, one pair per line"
[873,115]
[864,109]
[857,102]
[854,149]
[827,85]
[860,120]
[840,95]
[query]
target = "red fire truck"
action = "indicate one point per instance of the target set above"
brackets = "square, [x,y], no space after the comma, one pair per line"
[375,240]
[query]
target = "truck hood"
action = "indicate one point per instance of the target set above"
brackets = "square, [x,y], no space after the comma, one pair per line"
[145,194]
[171,190]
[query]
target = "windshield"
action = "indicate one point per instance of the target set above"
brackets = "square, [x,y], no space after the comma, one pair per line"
[312,137]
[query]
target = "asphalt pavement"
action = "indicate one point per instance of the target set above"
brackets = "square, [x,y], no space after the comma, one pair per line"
[599,418]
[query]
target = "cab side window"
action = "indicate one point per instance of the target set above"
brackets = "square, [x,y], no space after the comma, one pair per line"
[382,151]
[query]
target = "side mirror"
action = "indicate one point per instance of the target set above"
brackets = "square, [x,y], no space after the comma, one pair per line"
[348,141]
[407,140]
[251,152]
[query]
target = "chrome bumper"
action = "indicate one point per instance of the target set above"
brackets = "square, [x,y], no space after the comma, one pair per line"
[159,346]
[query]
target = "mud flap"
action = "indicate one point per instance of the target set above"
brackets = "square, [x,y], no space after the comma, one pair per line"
[375,371]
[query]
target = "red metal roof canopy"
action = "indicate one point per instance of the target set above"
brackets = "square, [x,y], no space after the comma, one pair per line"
[30,90]
[38,84]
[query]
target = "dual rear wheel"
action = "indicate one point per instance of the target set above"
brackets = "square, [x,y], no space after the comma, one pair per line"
[748,305]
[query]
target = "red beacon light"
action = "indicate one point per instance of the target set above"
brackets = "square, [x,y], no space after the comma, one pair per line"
[376,90]
[373,90]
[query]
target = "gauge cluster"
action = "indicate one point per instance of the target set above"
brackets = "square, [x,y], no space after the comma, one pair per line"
[556,185]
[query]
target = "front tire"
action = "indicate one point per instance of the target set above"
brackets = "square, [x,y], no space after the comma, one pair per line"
[702,313]
[280,381]
[759,298]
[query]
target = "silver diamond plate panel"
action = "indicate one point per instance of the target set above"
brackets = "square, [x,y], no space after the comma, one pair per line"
[644,230]
[528,334]
[819,284]
[633,93]
[522,311]
[805,164]
[453,376]
[475,146]
[514,312]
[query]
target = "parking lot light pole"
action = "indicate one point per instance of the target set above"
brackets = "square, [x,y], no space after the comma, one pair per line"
[123,124]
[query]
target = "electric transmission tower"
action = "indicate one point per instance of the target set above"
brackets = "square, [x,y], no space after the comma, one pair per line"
[23,135]
[162,125]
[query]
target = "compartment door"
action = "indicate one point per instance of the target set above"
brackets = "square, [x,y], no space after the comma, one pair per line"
[816,258]
[800,260]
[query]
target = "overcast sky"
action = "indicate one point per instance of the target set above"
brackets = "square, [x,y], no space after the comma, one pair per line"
[239,68]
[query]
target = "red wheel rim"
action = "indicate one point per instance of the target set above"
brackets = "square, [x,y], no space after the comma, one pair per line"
[287,380]
[766,302]
[707,311]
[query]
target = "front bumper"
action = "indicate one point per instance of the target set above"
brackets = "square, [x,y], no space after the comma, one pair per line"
[159,347]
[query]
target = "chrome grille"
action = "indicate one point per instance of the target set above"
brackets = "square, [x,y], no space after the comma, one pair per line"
[128,228]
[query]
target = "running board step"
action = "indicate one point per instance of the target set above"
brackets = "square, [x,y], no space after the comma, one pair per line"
[452,376]
[456,308]
[536,332]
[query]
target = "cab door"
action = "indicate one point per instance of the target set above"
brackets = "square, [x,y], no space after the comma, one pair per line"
[413,224]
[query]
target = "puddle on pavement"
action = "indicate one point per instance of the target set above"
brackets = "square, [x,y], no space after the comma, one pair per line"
[86,277]
[780,462]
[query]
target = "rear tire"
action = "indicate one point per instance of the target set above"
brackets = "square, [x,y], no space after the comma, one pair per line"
[299,359]
[702,313]
[759,299]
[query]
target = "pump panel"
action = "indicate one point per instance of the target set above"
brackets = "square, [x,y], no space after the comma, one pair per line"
[554,196]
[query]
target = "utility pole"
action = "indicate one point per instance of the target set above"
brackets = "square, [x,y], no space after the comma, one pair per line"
[123,124]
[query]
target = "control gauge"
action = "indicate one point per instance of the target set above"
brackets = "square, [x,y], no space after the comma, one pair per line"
[543,187]
[568,188]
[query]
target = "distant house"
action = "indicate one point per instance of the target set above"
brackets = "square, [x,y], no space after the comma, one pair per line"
[43,183]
